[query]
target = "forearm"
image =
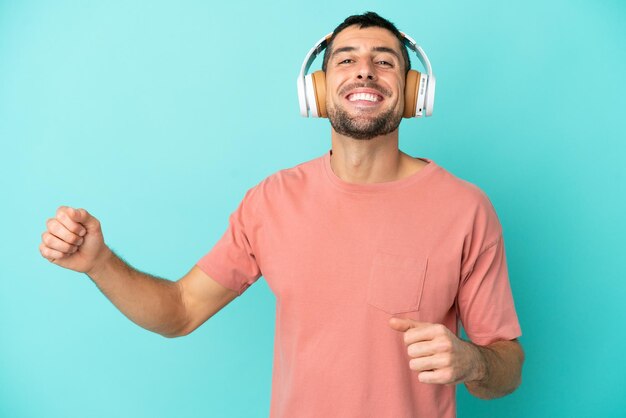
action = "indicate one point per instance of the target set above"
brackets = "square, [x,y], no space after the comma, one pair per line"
[152,303]
[499,368]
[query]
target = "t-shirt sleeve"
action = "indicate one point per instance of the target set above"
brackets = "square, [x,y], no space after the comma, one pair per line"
[485,301]
[232,261]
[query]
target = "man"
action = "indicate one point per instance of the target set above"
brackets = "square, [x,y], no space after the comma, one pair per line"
[374,257]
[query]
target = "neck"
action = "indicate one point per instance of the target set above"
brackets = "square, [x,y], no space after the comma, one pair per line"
[375,160]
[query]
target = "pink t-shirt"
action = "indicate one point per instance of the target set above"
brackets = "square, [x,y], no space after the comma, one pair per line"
[342,259]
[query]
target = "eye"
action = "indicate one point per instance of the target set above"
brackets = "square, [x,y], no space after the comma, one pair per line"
[385,63]
[346,61]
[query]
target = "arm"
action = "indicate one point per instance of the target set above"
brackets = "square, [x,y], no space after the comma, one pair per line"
[500,369]
[440,357]
[74,240]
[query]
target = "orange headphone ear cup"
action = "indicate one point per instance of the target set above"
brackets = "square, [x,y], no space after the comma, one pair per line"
[410,93]
[319,87]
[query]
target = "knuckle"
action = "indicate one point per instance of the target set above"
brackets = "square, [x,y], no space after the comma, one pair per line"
[440,329]
[62,217]
[74,240]
[45,251]
[47,238]
[446,359]
[445,345]
[65,247]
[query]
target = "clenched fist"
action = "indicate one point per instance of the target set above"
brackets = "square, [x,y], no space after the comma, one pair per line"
[437,354]
[73,239]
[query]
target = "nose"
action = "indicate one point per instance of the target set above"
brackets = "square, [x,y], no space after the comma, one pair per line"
[363,76]
[366,72]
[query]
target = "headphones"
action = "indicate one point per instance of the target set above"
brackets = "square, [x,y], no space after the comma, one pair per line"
[419,91]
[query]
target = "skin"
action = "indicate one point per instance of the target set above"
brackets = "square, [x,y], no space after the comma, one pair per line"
[362,60]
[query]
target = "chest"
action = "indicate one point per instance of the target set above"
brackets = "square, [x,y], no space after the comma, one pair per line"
[348,255]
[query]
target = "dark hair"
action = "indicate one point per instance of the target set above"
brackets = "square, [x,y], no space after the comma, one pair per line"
[367,20]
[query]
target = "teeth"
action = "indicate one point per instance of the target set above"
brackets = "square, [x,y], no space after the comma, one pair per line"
[363,96]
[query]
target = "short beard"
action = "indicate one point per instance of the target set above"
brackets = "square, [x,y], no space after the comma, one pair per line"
[360,128]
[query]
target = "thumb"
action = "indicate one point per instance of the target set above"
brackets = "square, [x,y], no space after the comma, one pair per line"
[403,324]
[85,218]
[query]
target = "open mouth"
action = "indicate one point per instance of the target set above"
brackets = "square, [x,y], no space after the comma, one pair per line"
[366,97]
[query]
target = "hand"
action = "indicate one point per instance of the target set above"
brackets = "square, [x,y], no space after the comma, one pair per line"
[73,239]
[438,355]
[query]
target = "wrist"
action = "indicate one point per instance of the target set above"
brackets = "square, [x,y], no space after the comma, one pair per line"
[100,264]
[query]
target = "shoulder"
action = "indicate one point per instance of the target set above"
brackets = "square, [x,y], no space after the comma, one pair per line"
[300,173]
[462,202]
[287,181]
[458,190]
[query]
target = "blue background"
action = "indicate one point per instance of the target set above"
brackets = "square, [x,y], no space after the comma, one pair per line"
[158,116]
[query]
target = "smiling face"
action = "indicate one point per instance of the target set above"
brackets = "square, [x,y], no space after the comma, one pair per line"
[365,78]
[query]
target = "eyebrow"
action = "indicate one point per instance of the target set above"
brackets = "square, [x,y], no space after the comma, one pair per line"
[389,50]
[375,49]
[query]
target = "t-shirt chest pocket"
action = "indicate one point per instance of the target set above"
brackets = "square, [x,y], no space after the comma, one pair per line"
[396,282]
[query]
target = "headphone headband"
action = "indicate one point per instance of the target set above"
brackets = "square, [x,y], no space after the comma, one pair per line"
[313,53]
[421,55]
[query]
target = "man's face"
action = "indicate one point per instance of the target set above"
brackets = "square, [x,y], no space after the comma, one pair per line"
[365,79]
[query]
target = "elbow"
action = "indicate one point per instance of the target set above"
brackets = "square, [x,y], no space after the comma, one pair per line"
[171,335]
[181,328]
[521,356]
[515,365]
[180,323]
[492,392]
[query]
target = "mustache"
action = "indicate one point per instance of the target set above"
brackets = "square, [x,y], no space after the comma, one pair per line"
[367,85]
